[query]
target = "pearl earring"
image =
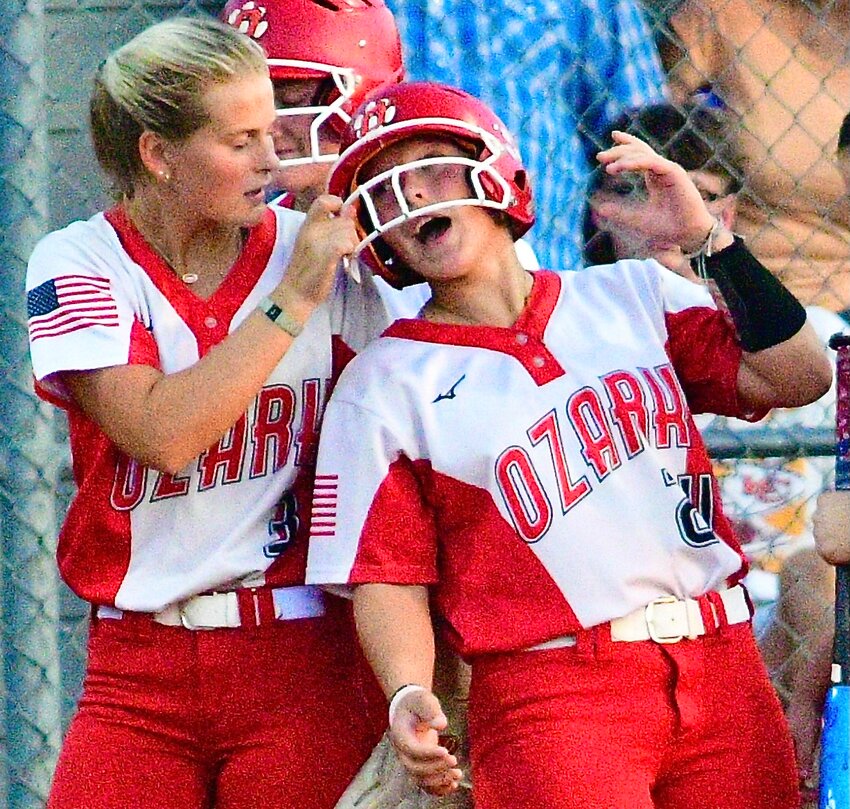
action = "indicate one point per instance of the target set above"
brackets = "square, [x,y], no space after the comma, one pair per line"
[164,176]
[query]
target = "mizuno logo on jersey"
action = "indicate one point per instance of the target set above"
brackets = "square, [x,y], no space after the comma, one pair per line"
[450,393]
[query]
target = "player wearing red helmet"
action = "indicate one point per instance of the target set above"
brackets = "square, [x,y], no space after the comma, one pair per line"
[522,460]
[497,179]
[324,58]
[191,332]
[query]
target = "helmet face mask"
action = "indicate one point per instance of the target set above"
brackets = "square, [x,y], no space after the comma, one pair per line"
[351,45]
[382,205]
[495,175]
[327,111]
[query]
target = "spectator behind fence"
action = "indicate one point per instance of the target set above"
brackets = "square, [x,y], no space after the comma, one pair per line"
[832,535]
[599,606]
[769,501]
[782,68]
[557,73]
[695,137]
[189,336]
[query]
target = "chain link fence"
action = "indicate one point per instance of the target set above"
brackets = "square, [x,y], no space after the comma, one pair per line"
[48,177]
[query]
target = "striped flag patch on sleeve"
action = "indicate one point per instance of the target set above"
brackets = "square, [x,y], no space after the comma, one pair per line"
[323,522]
[69,303]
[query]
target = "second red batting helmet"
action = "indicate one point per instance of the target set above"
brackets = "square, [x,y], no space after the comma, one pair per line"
[354,43]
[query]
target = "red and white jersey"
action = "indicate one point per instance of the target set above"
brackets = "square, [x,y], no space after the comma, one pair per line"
[140,539]
[541,478]
[285,199]
[407,302]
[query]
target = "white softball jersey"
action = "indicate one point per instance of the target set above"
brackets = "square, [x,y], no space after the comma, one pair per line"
[540,478]
[140,539]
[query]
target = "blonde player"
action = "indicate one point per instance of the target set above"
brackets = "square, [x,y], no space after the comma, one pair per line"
[190,337]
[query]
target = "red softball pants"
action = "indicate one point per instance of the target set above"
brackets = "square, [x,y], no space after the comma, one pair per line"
[691,725]
[170,718]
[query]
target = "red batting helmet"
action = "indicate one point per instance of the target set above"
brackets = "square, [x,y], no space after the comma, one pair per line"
[353,43]
[496,175]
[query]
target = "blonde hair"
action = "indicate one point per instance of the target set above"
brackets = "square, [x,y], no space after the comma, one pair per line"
[156,82]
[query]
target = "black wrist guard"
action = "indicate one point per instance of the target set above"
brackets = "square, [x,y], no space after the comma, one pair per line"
[765,314]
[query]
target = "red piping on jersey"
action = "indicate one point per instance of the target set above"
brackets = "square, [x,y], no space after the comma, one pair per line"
[143,347]
[95,545]
[285,200]
[341,355]
[225,301]
[532,354]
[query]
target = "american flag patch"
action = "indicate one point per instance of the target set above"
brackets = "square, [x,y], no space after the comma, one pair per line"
[69,303]
[323,522]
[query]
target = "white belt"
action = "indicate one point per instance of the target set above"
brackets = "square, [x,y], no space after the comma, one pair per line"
[222,610]
[669,619]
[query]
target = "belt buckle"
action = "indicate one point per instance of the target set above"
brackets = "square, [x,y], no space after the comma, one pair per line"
[210,611]
[649,614]
[183,609]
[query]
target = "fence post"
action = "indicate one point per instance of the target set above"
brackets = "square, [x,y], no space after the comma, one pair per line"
[29,456]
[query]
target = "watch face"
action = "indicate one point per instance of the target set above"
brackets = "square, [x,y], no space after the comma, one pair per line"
[280,318]
[269,308]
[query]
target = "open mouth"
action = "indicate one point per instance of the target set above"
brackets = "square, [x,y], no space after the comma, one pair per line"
[433,228]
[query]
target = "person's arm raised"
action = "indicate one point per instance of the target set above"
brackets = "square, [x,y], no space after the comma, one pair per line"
[166,420]
[783,363]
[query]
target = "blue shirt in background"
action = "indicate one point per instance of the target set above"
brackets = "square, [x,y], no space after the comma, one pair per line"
[557,73]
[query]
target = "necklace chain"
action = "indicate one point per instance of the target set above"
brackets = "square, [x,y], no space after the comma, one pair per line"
[185,277]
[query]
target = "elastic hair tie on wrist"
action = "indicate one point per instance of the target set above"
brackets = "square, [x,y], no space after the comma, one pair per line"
[704,251]
[398,695]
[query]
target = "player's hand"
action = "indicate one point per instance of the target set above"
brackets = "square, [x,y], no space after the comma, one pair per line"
[829,522]
[327,235]
[414,733]
[673,215]
[806,707]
